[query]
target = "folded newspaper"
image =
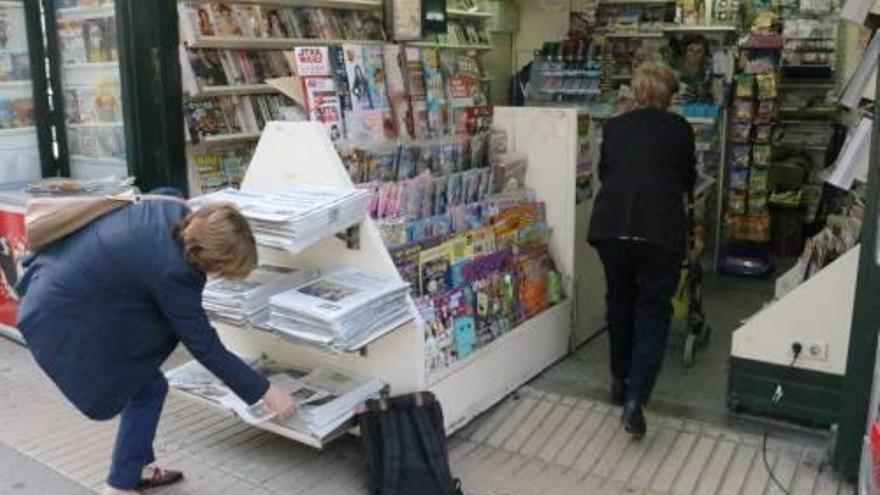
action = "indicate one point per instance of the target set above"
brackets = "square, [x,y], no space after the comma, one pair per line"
[295,217]
[344,309]
[242,302]
[326,398]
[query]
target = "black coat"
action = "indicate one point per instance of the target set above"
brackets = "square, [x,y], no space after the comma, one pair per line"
[647,166]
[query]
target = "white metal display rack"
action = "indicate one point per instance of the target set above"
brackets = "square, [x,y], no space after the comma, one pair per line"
[301,153]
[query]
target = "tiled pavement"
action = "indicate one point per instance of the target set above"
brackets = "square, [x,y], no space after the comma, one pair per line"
[533,443]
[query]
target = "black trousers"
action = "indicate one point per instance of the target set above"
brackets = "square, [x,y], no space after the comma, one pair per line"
[642,278]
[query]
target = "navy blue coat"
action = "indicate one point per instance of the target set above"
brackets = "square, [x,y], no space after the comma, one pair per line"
[103,308]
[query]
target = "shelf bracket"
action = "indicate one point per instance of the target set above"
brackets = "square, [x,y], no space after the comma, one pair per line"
[351,237]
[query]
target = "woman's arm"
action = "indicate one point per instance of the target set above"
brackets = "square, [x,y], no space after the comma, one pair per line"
[179,296]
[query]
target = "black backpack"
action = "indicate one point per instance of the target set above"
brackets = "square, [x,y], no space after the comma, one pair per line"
[404,444]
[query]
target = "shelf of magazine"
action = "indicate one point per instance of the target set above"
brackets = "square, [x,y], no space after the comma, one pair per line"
[472,14]
[238,42]
[331,4]
[93,66]
[233,90]
[86,12]
[634,34]
[17,131]
[449,46]
[529,325]
[230,138]
[25,83]
[634,2]
[87,125]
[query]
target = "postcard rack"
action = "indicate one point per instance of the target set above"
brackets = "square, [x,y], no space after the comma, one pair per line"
[301,153]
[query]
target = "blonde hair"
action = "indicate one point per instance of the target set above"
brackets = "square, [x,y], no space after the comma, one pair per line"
[218,240]
[654,85]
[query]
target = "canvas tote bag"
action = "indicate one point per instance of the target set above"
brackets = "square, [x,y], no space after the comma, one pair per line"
[53,218]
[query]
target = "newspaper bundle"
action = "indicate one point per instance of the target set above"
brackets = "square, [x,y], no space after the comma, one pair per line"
[344,309]
[295,217]
[326,398]
[246,301]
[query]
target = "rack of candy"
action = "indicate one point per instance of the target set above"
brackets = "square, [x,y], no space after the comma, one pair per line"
[752,130]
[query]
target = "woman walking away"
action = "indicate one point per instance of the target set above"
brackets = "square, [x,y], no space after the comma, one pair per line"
[104,306]
[647,166]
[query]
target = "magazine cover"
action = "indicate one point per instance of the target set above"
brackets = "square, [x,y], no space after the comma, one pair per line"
[415,81]
[312,61]
[434,266]
[372,25]
[223,19]
[322,104]
[231,66]
[198,21]
[358,81]
[204,118]
[96,39]
[249,19]
[375,66]
[70,37]
[337,62]
[233,114]
[273,26]
[207,67]
[365,125]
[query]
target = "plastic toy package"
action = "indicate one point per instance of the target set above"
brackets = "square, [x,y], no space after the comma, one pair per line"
[740,132]
[736,202]
[743,109]
[762,154]
[741,155]
[767,86]
[763,133]
[739,179]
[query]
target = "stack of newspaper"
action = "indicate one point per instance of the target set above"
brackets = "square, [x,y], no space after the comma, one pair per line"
[296,217]
[326,398]
[246,301]
[345,309]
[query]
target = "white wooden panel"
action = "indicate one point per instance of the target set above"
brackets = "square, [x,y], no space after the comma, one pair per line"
[820,309]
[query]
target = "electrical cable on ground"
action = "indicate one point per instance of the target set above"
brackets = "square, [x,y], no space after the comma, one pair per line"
[796,349]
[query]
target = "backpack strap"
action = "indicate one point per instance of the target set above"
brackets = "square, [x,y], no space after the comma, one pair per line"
[391,454]
[429,443]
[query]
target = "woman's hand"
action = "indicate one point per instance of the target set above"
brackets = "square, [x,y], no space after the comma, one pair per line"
[280,402]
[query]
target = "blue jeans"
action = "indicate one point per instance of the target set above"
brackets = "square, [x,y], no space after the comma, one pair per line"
[137,430]
[642,278]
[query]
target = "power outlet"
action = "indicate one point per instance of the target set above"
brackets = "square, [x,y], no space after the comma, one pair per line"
[813,350]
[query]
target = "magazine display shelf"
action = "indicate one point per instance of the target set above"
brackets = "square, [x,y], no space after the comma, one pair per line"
[301,153]
[330,4]
[449,46]
[232,90]
[241,43]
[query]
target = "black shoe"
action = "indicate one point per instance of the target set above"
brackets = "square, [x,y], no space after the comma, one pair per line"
[634,419]
[618,392]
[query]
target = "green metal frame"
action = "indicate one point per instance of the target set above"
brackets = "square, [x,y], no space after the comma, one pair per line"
[56,118]
[858,384]
[152,92]
[39,83]
[811,398]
